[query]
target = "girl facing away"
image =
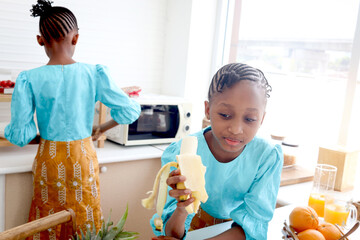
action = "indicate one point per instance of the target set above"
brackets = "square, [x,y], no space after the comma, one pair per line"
[64,92]
[242,170]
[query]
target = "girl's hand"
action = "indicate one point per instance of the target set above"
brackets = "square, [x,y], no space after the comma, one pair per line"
[173,179]
[164,237]
[96,133]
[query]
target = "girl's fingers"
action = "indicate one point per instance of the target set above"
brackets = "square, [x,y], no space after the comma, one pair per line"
[175,172]
[176,193]
[173,180]
[164,237]
[185,203]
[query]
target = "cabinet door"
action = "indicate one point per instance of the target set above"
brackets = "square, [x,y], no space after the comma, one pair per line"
[127,183]
[18,194]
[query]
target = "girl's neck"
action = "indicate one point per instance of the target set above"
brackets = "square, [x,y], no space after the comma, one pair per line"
[60,52]
[60,61]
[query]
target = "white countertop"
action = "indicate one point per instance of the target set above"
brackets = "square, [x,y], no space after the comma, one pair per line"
[274,230]
[14,159]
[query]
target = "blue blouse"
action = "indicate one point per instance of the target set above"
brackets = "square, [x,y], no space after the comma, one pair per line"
[64,98]
[244,189]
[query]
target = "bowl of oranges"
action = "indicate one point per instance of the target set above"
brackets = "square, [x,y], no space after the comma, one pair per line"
[304,224]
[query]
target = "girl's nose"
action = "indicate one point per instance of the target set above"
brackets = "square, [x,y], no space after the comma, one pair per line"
[236,128]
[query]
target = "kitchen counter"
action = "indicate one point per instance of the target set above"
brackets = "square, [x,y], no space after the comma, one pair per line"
[14,159]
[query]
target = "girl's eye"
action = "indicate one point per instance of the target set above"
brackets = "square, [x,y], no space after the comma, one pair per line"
[224,115]
[250,119]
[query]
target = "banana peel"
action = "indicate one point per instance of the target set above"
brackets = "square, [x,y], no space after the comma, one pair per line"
[191,167]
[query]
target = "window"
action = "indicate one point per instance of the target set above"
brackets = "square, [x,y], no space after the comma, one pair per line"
[306,50]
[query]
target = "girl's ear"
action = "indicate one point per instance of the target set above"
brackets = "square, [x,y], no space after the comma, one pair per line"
[40,40]
[75,39]
[207,109]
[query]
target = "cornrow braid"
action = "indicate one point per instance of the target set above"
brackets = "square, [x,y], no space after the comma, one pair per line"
[232,73]
[55,22]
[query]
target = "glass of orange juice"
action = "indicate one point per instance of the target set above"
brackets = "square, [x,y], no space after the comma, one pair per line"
[338,211]
[324,182]
[317,202]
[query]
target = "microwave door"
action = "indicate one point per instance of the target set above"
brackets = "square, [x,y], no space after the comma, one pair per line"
[155,122]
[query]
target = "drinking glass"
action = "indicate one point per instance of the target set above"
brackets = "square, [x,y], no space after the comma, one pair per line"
[339,211]
[324,182]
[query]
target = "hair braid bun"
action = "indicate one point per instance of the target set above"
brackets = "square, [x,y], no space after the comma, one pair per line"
[42,8]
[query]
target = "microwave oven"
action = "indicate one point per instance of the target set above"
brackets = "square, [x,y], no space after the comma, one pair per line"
[163,119]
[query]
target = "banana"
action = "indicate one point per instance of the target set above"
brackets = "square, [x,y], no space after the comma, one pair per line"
[191,167]
[163,172]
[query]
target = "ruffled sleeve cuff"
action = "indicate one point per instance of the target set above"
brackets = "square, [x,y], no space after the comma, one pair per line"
[22,128]
[128,114]
[168,211]
[21,136]
[254,228]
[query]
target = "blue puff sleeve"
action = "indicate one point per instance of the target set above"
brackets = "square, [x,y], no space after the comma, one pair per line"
[259,203]
[124,110]
[22,128]
[169,155]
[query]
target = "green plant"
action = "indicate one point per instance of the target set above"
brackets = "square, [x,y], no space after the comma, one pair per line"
[107,232]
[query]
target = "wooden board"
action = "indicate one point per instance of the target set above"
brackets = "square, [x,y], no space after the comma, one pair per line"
[5,97]
[296,174]
[4,142]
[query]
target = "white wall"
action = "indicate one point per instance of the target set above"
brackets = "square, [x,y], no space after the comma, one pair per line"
[189,52]
[164,46]
[128,36]
[176,47]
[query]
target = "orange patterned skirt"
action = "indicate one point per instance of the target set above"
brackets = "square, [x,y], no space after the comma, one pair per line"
[66,175]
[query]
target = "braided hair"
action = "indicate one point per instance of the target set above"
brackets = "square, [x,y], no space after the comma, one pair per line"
[232,73]
[55,22]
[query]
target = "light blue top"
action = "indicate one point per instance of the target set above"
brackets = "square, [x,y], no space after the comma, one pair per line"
[64,97]
[244,189]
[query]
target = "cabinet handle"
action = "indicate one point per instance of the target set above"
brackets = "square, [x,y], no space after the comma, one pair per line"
[103,169]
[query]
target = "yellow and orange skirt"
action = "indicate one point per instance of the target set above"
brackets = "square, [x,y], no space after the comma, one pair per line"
[66,175]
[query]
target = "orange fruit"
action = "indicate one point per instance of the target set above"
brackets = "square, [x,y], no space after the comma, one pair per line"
[329,231]
[302,218]
[310,234]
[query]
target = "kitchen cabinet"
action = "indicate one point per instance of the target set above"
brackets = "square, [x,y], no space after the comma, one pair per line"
[126,175]
[121,183]
[5,98]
